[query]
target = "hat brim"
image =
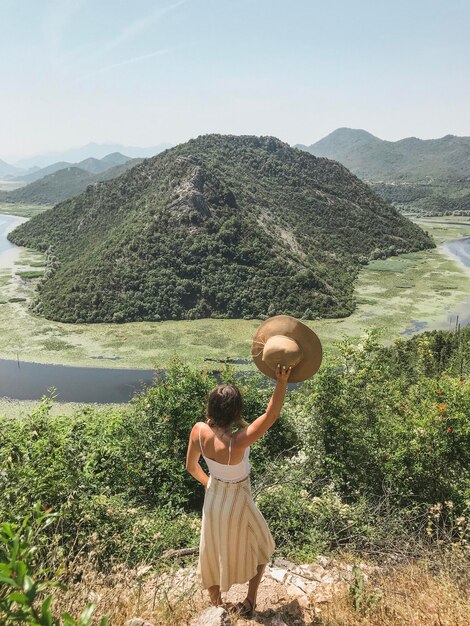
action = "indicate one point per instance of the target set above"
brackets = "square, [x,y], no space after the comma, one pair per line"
[306,338]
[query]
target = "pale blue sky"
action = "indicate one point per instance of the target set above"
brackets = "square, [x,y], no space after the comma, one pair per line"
[141,72]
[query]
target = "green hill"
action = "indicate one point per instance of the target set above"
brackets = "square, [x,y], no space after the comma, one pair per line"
[430,176]
[409,159]
[90,165]
[63,184]
[221,226]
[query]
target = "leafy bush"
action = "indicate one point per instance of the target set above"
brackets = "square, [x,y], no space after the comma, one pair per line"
[25,583]
[376,439]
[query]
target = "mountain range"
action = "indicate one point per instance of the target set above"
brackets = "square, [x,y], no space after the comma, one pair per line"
[91,150]
[68,181]
[90,165]
[429,176]
[410,159]
[221,226]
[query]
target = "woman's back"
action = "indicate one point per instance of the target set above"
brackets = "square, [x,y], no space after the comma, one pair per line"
[225,461]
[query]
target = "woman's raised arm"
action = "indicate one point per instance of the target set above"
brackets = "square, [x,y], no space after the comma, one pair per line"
[256,429]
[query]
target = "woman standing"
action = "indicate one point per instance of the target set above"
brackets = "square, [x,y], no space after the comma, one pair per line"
[235,541]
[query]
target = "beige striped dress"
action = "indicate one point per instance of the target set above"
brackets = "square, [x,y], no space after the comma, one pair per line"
[235,538]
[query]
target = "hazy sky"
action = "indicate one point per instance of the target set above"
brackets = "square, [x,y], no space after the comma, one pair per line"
[141,72]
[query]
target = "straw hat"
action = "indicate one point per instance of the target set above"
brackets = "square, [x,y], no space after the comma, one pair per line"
[285,341]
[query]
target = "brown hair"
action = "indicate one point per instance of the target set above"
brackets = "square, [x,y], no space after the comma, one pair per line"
[224,406]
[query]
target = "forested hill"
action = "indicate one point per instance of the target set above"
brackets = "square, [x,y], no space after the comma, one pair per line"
[409,159]
[63,184]
[226,226]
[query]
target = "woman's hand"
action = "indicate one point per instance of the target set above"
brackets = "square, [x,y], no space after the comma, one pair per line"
[283,373]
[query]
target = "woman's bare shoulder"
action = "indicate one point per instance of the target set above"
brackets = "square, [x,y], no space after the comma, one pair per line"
[198,427]
[239,437]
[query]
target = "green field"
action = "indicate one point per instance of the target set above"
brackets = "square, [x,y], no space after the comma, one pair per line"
[23,210]
[391,294]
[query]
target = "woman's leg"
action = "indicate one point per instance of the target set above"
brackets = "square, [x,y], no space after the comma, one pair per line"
[215,596]
[254,584]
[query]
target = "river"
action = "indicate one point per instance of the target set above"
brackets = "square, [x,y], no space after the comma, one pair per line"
[30,381]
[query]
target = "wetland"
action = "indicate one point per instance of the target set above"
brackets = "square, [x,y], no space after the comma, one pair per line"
[401,296]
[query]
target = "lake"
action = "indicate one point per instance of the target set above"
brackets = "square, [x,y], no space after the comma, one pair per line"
[30,381]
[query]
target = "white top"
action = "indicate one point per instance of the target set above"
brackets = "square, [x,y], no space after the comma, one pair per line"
[226,472]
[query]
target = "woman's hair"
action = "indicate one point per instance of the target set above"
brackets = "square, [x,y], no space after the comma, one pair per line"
[224,406]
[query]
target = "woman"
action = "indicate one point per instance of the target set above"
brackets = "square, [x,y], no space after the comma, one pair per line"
[235,541]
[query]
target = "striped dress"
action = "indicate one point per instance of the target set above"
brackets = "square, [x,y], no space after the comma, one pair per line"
[235,538]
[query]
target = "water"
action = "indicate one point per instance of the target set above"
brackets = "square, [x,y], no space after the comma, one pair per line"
[30,381]
[8,251]
[459,248]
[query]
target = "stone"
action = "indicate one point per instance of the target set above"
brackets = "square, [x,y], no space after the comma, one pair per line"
[314,572]
[328,580]
[213,616]
[137,621]
[277,621]
[322,597]
[293,591]
[277,573]
[304,602]
[284,564]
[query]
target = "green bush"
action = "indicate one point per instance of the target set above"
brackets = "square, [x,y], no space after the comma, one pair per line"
[376,425]
[25,583]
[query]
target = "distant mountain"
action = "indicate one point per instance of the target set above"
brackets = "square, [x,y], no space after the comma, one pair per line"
[91,150]
[8,170]
[115,158]
[90,165]
[63,184]
[409,159]
[221,226]
[38,173]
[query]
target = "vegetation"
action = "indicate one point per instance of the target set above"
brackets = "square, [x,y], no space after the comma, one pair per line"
[24,582]
[433,198]
[393,294]
[235,227]
[370,457]
[409,159]
[22,210]
[62,184]
[374,422]
[420,176]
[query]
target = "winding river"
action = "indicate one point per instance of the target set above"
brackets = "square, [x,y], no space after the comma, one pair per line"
[30,381]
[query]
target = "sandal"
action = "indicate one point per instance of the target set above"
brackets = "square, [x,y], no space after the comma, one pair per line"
[241,609]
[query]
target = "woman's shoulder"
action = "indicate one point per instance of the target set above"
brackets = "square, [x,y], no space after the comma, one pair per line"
[239,437]
[198,427]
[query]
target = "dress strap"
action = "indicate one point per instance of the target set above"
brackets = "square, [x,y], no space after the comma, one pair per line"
[230,450]
[200,442]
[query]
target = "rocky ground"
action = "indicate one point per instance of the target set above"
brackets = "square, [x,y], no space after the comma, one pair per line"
[289,594]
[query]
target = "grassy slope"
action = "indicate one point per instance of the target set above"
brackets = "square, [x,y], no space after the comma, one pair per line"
[390,295]
[23,209]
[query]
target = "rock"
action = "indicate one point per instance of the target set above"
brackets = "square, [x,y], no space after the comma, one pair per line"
[213,616]
[137,621]
[304,602]
[328,580]
[313,571]
[322,597]
[323,560]
[284,564]
[277,573]
[293,591]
